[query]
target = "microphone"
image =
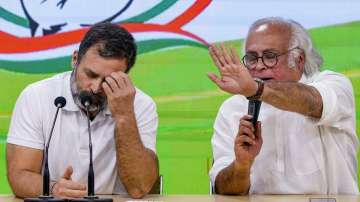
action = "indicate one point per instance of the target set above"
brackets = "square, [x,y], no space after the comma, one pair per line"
[59,103]
[86,101]
[254,110]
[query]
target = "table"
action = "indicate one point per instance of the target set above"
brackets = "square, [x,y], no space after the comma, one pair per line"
[217,198]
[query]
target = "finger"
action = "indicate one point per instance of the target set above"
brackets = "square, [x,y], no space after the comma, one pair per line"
[118,78]
[68,172]
[126,79]
[215,59]
[69,193]
[247,117]
[74,185]
[246,131]
[112,83]
[226,55]
[218,54]
[126,83]
[258,132]
[247,123]
[234,56]
[244,139]
[215,79]
[107,89]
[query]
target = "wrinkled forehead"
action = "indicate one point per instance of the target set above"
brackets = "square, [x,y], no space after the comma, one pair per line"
[268,36]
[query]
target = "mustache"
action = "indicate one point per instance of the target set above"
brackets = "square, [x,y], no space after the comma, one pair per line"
[98,101]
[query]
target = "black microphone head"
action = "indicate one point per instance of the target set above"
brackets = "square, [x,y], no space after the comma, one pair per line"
[85,98]
[60,102]
[254,110]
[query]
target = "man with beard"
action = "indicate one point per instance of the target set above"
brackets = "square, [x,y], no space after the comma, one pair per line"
[123,124]
[308,142]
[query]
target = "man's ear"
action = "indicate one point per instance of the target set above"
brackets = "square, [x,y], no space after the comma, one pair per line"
[74,59]
[300,62]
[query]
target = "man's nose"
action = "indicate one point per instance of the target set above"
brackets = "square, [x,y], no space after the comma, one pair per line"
[96,87]
[260,65]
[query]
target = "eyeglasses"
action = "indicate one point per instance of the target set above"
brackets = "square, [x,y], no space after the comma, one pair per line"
[269,59]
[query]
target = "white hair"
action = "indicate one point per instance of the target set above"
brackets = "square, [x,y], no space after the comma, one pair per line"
[299,38]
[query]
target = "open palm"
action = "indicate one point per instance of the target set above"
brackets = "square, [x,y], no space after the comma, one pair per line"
[234,77]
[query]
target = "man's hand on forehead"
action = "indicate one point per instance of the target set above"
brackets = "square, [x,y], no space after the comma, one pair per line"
[120,93]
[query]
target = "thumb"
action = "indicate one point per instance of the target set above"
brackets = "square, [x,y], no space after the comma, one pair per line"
[258,131]
[68,173]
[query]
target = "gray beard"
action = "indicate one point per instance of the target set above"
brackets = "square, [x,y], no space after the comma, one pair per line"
[98,102]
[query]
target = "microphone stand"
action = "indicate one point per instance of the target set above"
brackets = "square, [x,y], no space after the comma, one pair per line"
[60,102]
[91,177]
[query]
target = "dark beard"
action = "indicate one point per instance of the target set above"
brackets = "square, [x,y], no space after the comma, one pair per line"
[98,102]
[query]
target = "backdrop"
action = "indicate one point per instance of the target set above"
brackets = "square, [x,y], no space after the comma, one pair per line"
[37,38]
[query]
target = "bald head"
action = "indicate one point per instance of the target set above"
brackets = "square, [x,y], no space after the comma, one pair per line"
[284,34]
[264,24]
[269,35]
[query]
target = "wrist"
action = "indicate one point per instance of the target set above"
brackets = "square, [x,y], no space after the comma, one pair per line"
[242,167]
[124,117]
[241,170]
[259,90]
[123,114]
[52,186]
[254,89]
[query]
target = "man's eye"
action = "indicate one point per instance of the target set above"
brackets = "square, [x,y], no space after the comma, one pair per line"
[251,57]
[269,55]
[90,74]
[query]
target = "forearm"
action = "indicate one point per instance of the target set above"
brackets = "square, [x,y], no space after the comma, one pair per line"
[233,180]
[137,165]
[294,97]
[25,183]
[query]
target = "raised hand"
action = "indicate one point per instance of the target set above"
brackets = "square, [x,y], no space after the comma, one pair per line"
[234,77]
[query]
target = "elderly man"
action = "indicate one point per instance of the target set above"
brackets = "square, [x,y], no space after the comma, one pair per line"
[123,124]
[308,143]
